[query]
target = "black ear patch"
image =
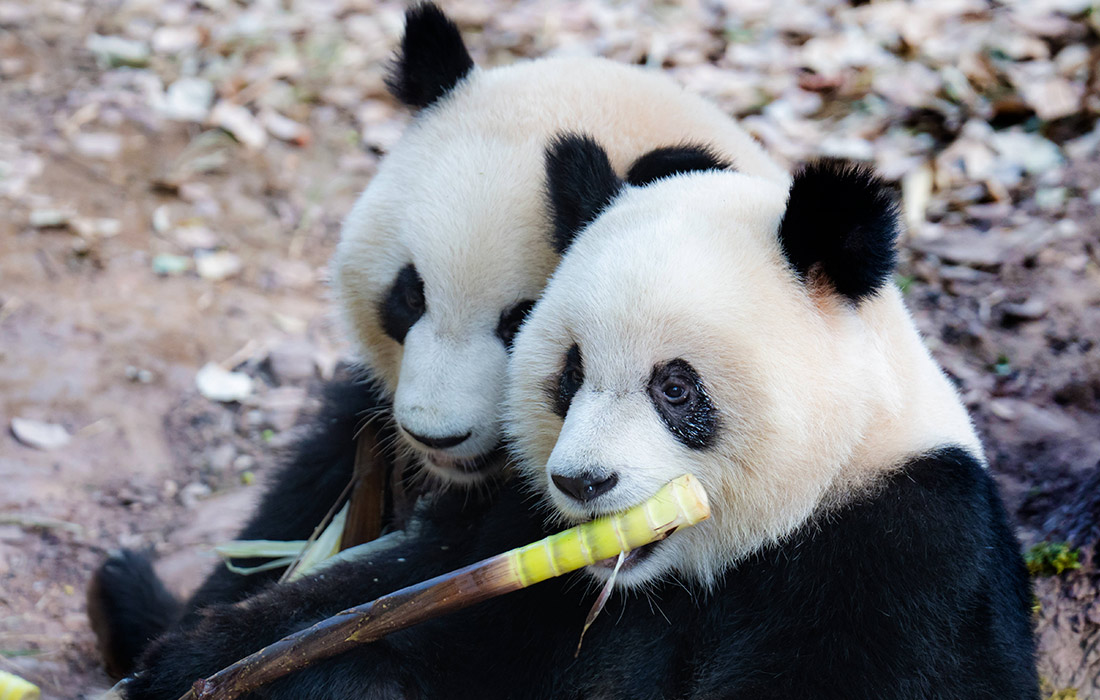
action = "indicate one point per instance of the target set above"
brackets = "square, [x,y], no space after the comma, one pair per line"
[673,160]
[580,183]
[842,219]
[431,60]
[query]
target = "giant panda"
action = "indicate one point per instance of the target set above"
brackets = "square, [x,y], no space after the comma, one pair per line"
[720,324]
[438,263]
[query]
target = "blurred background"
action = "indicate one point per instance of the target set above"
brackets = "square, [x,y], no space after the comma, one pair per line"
[173,175]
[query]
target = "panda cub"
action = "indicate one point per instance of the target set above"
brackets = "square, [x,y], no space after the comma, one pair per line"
[438,263]
[713,323]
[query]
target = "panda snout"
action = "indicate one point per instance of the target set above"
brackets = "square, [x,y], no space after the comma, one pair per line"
[586,486]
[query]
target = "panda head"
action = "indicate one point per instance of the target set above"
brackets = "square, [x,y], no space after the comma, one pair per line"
[441,258]
[719,324]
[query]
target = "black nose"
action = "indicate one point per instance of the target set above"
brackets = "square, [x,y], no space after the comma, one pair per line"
[439,443]
[585,487]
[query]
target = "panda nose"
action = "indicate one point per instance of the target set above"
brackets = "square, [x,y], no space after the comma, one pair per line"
[585,487]
[439,443]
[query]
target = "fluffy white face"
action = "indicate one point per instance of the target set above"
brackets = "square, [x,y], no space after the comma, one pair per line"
[675,338]
[450,243]
[435,275]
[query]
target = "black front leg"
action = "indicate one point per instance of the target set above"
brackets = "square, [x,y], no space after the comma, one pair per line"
[451,531]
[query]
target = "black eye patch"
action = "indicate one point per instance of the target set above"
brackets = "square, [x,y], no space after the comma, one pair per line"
[562,391]
[404,303]
[510,321]
[681,401]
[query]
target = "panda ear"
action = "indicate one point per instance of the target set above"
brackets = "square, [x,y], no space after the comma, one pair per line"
[431,60]
[673,160]
[580,183]
[841,220]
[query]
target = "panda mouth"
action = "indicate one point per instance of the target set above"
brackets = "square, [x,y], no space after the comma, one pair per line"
[633,557]
[471,465]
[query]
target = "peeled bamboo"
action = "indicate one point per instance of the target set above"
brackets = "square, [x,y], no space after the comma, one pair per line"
[679,503]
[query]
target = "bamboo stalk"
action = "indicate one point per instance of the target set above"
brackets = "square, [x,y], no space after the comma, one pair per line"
[368,496]
[12,687]
[679,503]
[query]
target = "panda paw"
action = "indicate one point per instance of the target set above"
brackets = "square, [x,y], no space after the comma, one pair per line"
[228,633]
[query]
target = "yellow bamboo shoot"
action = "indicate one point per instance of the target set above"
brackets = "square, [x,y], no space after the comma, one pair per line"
[12,687]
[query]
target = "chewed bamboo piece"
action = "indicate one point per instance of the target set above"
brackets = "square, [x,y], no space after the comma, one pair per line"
[12,687]
[679,503]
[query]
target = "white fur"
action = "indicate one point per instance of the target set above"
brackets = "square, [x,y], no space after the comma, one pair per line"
[815,397]
[462,197]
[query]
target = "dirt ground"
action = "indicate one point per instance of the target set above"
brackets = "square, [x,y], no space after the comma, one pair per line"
[173,175]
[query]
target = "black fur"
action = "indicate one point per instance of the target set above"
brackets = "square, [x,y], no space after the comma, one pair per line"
[674,160]
[916,591]
[404,304]
[580,183]
[691,416]
[511,320]
[432,58]
[568,382]
[128,607]
[842,220]
[299,497]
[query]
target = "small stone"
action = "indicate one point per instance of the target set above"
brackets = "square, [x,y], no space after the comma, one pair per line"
[170,489]
[49,218]
[96,228]
[114,51]
[39,434]
[1030,310]
[176,39]
[140,376]
[284,128]
[1030,152]
[1051,199]
[98,145]
[219,384]
[191,494]
[853,148]
[916,193]
[1002,409]
[167,264]
[162,219]
[218,266]
[195,237]
[244,463]
[188,99]
[239,122]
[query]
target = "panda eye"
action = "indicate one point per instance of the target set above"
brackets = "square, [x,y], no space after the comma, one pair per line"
[681,401]
[569,381]
[414,298]
[511,320]
[404,304]
[675,391]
